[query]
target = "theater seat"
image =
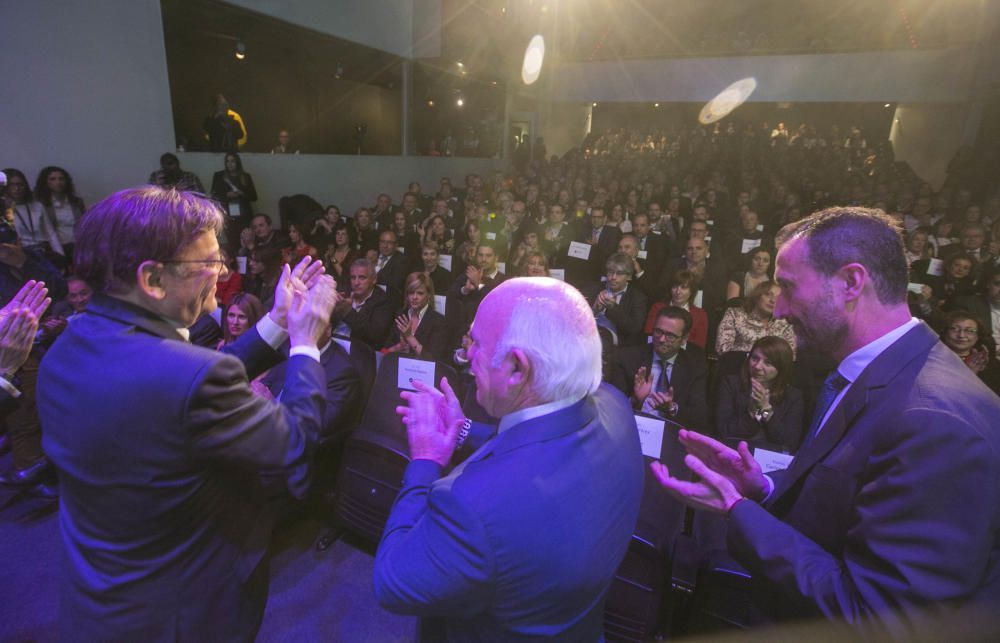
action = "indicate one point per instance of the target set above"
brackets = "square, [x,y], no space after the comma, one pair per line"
[376,455]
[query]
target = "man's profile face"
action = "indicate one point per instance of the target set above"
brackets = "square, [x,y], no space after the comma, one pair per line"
[668,336]
[79,295]
[189,288]
[362,281]
[386,244]
[261,228]
[808,301]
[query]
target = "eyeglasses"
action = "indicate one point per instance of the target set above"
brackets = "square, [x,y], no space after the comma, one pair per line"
[662,334]
[217,264]
[959,330]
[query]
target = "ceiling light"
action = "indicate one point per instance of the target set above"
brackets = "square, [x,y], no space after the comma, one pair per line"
[460,102]
[595,105]
[534,55]
[241,50]
[656,104]
[430,103]
[888,105]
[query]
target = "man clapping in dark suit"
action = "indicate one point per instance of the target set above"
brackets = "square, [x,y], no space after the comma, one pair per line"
[159,444]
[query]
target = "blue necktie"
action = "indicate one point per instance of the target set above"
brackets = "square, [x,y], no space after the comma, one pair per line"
[832,386]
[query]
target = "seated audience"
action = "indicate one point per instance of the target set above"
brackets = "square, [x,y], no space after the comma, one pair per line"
[741,326]
[366,314]
[340,252]
[757,269]
[760,404]
[682,284]
[261,235]
[391,265]
[264,269]
[616,306]
[664,378]
[230,280]
[299,247]
[646,281]
[968,338]
[441,278]
[240,315]
[419,330]
[534,264]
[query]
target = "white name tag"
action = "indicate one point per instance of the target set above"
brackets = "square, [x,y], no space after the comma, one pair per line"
[935,267]
[771,460]
[760,227]
[383,287]
[558,273]
[241,265]
[440,301]
[643,254]
[492,236]
[650,435]
[579,250]
[710,221]
[445,262]
[750,244]
[916,289]
[414,370]
[502,267]
[234,209]
[402,250]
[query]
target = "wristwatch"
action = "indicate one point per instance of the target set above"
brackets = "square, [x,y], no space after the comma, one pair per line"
[762,415]
[463,433]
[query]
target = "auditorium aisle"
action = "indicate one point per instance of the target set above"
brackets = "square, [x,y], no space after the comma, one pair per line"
[314,595]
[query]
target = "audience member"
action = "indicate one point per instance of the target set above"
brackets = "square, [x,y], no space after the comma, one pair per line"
[261,235]
[366,314]
[284,145]
[760,404]
[340,252]
[233,188]
[230,280]
[391,265]
[757,268]
[668,377]
[419,330]
[31,222]
[743,325]
[55,192]
[238,317]
[300,249]
[170,175]
[440,277]
[265,265]
[224,128]
[681,287]
[521,540]
[618,308]
[967,336]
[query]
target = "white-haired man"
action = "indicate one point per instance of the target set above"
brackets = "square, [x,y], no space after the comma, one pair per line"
[523,538]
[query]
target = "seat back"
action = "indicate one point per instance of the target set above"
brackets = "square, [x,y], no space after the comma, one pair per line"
[376,455]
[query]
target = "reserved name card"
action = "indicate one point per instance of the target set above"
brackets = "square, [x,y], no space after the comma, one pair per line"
[650,435]
[445,262]
[558,273]
[579,250]
[771,460]
[414,370]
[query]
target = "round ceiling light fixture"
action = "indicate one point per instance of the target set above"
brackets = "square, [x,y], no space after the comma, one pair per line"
[534,56]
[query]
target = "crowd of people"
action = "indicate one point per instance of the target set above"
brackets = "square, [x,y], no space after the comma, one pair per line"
[669,237]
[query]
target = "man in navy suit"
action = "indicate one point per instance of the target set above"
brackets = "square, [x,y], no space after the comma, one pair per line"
[159,444]
[890,511]
[522,539]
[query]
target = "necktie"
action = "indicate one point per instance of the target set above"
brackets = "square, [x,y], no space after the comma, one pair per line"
[663,381]
[381,263]
[832,385]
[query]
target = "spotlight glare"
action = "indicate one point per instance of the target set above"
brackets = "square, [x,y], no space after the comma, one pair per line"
[594,105]
[241,50]
[460,102]
[534,56]
[727,100]
[430,103]
[888,105]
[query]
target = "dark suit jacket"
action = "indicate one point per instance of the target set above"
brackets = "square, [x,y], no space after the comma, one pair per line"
[628,316]
[733,420]
[371,322]
[158,444]
[343,391]
[461,309]
[689,378]
[393,274]
[523,538]
[432,333]
[606,245]
[893,507]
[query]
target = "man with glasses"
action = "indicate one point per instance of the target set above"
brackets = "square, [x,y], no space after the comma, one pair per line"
[159,444]
[667,377]
[620,309]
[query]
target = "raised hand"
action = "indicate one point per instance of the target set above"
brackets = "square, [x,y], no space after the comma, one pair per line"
[300,279]
[17,334]
[474,277]
[433,419]
[32,296]
[738,466]
[310,310]
[642,384]
[404,327]
[978,359]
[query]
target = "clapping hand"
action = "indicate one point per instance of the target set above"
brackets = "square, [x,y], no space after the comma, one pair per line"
[473,278]
[300,279]
[642,384]
[726,475]
[405,326]
[433,419]
[663,400]
[759,394]
[246,238]
[19,323]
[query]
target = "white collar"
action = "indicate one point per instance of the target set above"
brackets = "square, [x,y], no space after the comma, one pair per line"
[852,366]
[531,412]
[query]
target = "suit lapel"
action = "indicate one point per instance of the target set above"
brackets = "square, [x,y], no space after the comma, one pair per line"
[883,369]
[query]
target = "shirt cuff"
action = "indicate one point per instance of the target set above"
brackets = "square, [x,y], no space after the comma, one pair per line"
[309,351]
[271,333]
[770,488]
[10,388]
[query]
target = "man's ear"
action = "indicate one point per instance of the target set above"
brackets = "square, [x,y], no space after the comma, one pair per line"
[149,279]
[853,278]
[521,370]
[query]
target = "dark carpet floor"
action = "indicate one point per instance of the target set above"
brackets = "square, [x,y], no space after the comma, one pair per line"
[314,595]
